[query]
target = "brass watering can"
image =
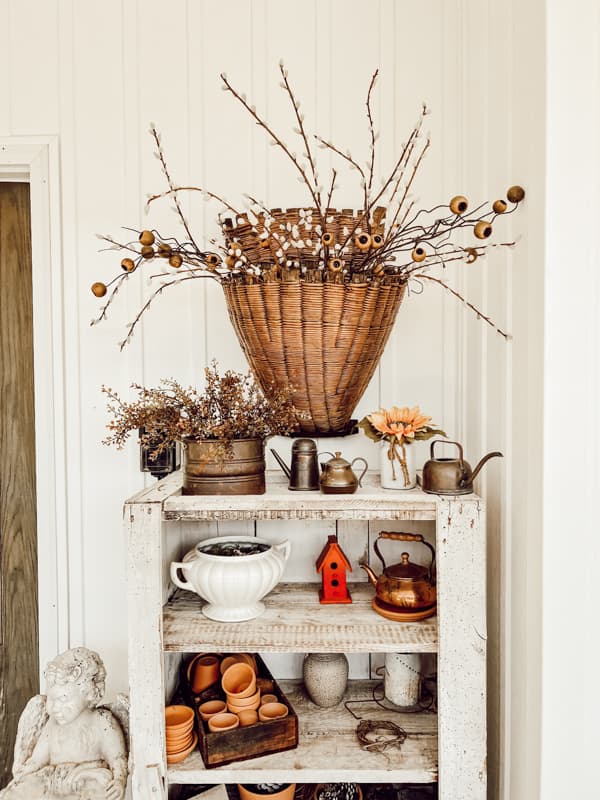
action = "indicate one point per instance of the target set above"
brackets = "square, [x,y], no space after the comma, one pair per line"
[451,475]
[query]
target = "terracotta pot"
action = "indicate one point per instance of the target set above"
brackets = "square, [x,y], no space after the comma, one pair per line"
[206,672]
[207,471]
[248,792]
[235,709]
[244,702]
[223,722]
[176,758]
[272,711]
[178,718]
[268,698]
[210,708]
[247,717]
[239,681]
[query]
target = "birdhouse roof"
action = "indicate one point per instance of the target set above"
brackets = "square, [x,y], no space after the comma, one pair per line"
[332,550]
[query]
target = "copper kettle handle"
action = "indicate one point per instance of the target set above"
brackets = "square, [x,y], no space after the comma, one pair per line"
[447,441]
[406,537]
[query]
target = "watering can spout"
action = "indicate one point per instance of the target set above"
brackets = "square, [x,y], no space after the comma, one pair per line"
[495,454]
[282,464]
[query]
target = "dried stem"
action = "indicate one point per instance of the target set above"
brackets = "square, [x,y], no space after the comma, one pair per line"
[275,138]
[174,189]
[480,314]
[372,131]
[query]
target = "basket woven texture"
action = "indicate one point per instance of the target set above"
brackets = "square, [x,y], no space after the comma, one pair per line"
[323,339]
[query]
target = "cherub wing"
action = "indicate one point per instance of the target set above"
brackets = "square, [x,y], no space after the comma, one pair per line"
[31,723]
[120,710]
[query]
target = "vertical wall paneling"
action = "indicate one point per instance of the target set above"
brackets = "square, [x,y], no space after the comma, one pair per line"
[5,67]
[73,300]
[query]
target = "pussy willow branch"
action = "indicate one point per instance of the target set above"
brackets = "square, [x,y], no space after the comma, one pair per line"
[102,315]
[276,139]
[463,300]
[175,189]
[347,157]
[372,130]
[300,121]
[165,169]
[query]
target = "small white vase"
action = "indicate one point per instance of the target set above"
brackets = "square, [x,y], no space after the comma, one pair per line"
[325,678]
[392,474]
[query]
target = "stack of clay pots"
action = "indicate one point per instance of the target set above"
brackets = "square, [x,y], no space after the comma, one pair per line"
[179,733]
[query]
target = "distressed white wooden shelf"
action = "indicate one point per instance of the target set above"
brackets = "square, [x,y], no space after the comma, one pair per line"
[295,622]
[328,749]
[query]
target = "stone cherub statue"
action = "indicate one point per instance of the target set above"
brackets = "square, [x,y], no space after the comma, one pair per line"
[67,747]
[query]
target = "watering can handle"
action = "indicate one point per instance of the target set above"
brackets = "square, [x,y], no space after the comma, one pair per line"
[446,441]
[406,537]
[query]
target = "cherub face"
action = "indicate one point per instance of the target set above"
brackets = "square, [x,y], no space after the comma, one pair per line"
[65,702]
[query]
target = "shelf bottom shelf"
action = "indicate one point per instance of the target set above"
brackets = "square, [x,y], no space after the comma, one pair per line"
[328,750]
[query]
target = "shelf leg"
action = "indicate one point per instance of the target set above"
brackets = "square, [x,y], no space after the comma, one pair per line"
[461,589]
[142,523]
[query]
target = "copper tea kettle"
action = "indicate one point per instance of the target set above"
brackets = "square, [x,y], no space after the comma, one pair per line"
[451,475]
[407,586]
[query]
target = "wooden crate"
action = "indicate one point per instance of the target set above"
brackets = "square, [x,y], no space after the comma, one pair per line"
[252,741]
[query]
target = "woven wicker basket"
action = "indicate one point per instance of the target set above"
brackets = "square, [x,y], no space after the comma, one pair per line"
[324,339]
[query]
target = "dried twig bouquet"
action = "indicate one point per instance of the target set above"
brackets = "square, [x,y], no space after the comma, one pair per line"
[232,406]
[387,241]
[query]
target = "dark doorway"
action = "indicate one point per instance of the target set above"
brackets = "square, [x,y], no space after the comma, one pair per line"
[19,667]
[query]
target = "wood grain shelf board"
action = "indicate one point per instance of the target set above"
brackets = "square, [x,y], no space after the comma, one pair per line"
[295,621]
[368,502]
[328,749]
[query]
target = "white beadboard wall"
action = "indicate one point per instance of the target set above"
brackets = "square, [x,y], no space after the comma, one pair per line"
[97,74]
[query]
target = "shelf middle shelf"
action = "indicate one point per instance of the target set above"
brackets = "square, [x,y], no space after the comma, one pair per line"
[295,621]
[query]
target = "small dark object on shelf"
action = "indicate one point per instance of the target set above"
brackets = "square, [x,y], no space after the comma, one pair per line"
[168,460]
[337,791]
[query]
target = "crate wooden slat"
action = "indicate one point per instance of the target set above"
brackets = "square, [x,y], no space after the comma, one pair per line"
[328,749]
[295,621]
[369,502]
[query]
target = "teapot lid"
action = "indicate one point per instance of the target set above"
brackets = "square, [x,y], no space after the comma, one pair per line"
[337,460]
[304,446]
[407,571]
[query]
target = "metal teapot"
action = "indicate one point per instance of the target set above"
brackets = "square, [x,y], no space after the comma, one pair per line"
[303,473]
[409,587]
[337,475]
[451,475]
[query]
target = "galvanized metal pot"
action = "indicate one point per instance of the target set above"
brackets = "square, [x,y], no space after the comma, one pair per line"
[207,471]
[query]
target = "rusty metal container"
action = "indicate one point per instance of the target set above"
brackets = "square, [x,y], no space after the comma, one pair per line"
[206,471]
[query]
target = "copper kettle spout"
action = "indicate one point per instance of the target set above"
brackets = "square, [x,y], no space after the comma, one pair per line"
[282,464]
[372,577]
[483,461]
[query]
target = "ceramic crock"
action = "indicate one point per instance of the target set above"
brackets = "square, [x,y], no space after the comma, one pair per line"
[233,573]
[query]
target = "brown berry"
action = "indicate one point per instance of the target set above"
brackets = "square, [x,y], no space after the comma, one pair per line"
[164,249]
[265,243]
[482,229]
[213,260]
[327,239]
[128,264]
[99,289]
[335,264]
[362,241]
[377,241]
[146,238]
[176,260]
[230,262]
[378,270]
[147,251]
[418,254]
[515,194]
[459,204]
[499,206]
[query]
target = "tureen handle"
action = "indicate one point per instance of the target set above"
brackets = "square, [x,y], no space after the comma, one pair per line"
[183,584]
[285,548]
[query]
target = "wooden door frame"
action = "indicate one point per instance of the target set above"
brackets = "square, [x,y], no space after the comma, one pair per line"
[35,159]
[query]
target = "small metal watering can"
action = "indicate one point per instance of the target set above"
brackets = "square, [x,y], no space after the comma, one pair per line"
[303,473]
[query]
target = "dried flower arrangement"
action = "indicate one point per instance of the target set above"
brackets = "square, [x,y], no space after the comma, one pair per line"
[318,244]
[399,427]
[231,406]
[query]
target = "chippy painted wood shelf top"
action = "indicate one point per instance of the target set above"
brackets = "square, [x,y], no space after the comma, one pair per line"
[328,750]
[295,622]
[369,502]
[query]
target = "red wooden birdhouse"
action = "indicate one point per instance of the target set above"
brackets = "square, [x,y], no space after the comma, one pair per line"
[332,564]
